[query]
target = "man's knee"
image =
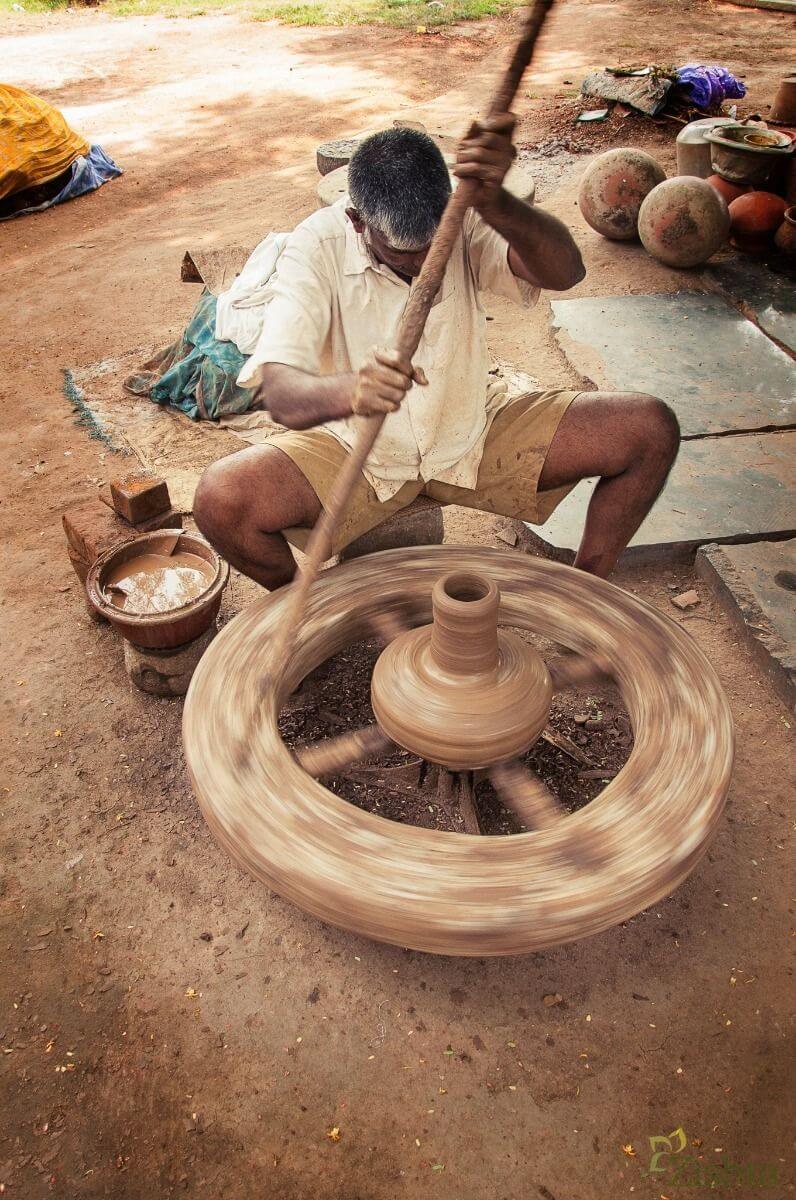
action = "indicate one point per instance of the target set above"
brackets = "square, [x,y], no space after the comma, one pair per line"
[217,507]
[657,428]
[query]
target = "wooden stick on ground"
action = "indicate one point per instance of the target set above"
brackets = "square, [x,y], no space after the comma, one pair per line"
[410,332]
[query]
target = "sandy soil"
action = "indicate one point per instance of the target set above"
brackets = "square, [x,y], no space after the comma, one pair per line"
[169,1027]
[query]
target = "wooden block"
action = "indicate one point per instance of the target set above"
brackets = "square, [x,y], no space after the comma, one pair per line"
[214,266]
[140,496]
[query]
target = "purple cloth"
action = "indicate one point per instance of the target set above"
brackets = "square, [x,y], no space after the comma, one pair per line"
[708,87]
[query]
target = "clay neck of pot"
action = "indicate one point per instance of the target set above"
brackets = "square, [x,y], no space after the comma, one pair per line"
[464,638]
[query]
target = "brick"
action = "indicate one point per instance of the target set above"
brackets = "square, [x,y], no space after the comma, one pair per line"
[140,496]
[92,528]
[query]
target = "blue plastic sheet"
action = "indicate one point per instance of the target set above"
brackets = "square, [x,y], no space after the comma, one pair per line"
[708,87]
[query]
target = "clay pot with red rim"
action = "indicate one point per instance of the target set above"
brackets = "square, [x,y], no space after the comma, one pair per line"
[754,219]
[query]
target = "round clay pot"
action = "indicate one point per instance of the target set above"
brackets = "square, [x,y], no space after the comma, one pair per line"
[785,237]
[727,190]
[755,219]
[613,188]
[683,221]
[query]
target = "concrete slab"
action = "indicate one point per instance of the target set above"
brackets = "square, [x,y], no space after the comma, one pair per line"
[756,586]
[768,299]
[729,489]
[717,370]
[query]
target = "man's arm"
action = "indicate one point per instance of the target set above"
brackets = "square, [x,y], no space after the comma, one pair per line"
[542,251]
[541,248]
[299,400]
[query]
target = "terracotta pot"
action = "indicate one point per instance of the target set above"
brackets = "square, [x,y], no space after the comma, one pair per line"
[159,630]
[683,221]
[783,110]
[612,189]
[785,237]
[754,219]
[727,190]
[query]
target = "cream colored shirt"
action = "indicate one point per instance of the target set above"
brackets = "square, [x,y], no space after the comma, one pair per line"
[330,302]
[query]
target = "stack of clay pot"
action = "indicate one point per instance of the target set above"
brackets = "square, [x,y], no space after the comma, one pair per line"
[750,165]
[734,180]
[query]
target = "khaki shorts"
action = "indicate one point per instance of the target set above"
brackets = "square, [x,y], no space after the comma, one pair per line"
[514,453]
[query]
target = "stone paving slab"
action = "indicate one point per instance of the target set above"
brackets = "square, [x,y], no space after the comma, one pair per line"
[768,298]
[756,586]
[716,369]
[726,489]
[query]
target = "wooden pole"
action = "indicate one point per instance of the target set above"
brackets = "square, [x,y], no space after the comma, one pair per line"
[410,332]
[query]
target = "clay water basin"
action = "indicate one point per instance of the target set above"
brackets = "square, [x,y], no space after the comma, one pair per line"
[161,589]
[747,153]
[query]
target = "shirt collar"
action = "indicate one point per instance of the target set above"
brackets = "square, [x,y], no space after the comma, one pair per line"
[358,258]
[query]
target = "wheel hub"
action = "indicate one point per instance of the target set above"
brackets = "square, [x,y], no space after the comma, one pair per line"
[459,692]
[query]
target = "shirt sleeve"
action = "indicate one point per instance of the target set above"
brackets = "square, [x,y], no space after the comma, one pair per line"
[299,310]
[488,254]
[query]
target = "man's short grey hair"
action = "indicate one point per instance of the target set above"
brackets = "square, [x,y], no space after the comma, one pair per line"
[399,184]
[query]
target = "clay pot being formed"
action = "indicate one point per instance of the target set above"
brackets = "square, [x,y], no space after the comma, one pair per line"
[613,188]
[683,221]
[461,692]
[727,190]
[755,218]
[785,237]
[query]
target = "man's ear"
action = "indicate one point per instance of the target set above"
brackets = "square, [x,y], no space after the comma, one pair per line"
[355,220]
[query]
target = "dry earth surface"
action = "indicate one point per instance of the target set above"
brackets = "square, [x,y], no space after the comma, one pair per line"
[168,1026]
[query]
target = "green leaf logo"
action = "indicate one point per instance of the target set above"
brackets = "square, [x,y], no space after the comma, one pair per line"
[661,1146]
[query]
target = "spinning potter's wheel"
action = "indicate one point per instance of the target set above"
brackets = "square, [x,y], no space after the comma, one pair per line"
[457,686]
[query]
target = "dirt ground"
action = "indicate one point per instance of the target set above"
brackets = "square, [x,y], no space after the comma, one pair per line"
[170,1027]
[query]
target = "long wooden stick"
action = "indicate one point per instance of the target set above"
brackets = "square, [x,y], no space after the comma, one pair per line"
[407,341]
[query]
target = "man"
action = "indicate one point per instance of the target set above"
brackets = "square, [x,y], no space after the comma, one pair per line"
[453,430]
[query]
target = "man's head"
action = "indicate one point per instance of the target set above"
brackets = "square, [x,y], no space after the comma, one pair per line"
[399,185]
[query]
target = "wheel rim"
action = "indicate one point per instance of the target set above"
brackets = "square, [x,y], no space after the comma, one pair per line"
[446,892]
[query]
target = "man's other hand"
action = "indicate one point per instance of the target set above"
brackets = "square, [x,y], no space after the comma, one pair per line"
[382,382]
[485,155]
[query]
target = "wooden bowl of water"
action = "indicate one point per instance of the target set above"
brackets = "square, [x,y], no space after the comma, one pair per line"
[160,589]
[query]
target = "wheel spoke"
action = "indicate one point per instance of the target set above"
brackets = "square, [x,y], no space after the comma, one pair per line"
[337,753]
[577,671]
[526,795]
[457,787]
[387,625]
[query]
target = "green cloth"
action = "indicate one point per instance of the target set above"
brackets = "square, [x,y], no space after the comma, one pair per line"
[196,374]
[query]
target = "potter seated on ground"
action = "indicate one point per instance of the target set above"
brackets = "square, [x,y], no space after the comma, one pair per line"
[452,431]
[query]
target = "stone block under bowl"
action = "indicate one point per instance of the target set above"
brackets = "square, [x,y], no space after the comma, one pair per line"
[172,626]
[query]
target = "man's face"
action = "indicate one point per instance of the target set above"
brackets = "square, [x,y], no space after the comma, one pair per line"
[403,262]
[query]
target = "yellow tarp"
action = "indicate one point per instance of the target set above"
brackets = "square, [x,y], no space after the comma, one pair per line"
[36,144]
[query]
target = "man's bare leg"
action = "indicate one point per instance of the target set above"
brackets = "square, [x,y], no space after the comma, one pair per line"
[630,441]
[244,501]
